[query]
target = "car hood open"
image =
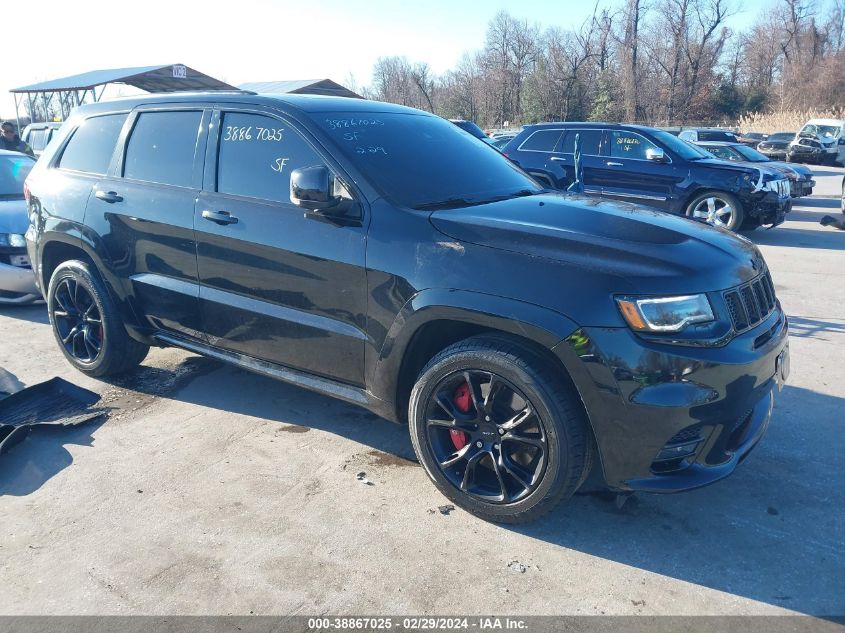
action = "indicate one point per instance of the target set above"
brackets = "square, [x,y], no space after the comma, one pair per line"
[639,244]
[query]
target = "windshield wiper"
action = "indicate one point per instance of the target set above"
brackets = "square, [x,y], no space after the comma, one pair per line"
[449,203]
[452,203]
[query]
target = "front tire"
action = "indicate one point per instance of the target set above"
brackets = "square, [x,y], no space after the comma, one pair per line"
[87,324]
[498,430]
[717,208]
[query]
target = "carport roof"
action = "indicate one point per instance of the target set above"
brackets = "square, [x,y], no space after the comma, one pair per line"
[301,86]
[170,78]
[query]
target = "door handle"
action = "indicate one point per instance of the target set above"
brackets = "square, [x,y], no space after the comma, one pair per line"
[611,163]
[221,217]
[108,196]
[560,158]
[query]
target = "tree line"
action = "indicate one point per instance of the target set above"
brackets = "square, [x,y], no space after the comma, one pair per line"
[661,62]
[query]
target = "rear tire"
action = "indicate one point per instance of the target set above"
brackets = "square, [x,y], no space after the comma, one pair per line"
[507,474]
[87,324]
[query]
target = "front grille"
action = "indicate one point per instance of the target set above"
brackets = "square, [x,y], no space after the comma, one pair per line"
[751,303]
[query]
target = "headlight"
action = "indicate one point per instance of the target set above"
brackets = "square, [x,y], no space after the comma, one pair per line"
[15,240]
[665,314]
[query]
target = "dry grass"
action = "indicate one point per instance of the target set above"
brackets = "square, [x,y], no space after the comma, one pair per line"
[786,121]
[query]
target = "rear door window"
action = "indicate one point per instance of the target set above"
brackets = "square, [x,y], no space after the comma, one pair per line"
[161,147]
[257,154]
[91,147]
[541,141]
[590,142]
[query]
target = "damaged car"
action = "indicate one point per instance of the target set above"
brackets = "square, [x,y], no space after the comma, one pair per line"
[801,180]
[776,146]
[17,283]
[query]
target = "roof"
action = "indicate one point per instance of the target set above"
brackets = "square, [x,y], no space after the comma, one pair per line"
[301,86]
[590,125]
[304,103]
[170,78]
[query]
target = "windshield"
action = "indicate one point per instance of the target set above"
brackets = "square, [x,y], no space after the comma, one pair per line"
[751,154]
[782,136]
[827,131]
[679,147]
[423,161]
[13,171]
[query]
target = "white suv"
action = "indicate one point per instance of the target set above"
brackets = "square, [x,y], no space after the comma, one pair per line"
[829,137]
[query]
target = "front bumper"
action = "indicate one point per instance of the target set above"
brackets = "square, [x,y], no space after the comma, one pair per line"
[17,281]
[645,399]
[768,207]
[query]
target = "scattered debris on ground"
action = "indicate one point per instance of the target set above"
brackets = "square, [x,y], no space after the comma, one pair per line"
[55,402]
[362,477]
[445,510]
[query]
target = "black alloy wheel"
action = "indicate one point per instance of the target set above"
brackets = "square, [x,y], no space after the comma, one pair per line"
[87,324]
[79,325]
[499,428]
[486,436]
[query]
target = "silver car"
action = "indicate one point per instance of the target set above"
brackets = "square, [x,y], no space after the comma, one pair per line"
[17,282]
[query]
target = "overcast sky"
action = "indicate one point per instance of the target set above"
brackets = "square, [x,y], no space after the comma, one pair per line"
[263,40]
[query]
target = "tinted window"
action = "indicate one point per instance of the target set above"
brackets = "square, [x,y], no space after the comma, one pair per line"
[751,154]
[590,142]
[782,136]
[542,141]
[38,140]
[724,153]
[161,147]
[687,135]
[418,159]
[13,171]
[257,155]
[716,135]
[472,128]
[681,148]
[629,145]
[91,147]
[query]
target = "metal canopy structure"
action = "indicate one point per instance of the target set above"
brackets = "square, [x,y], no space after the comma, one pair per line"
[76,89]
[302,87]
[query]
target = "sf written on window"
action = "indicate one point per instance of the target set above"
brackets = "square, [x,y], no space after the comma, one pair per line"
[257,155]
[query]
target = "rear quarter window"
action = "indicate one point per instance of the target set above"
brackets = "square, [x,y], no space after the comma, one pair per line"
[541,141]
[92,144]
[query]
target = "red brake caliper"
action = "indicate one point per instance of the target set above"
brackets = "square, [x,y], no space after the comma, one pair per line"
[463,402]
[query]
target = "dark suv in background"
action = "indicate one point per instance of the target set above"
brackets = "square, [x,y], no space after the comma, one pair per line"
[651,166]
[378,254]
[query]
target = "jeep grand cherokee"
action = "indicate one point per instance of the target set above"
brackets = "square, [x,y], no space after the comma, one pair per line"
[380,255]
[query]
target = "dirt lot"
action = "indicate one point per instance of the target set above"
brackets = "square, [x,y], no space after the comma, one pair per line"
[209,490]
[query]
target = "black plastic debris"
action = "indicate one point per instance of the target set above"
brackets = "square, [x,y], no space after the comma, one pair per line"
[53,403]
[829,220]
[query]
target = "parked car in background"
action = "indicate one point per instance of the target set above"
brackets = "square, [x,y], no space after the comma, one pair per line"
[800,177]
[17,282]
[39,135]
[528,339]
[472,128]
[500,140]
[651,166]
[707,134]
[752,139]
[776,146]
[821,141]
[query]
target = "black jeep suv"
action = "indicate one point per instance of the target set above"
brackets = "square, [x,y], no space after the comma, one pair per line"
[380,255]
[651,166]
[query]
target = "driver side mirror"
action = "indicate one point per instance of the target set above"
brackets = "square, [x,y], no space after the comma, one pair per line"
[656,154]
[313,188]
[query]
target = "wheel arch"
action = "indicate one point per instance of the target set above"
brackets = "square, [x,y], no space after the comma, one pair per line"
[434,319]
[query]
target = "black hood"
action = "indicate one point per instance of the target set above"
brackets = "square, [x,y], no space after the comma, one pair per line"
[653,252]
